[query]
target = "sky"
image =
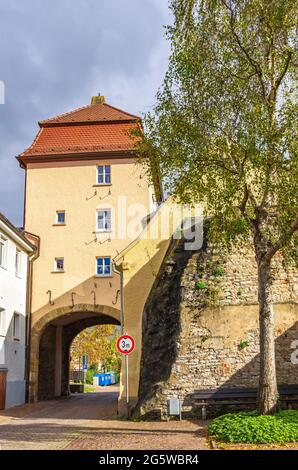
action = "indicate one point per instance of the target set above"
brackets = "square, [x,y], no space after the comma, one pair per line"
[56,54]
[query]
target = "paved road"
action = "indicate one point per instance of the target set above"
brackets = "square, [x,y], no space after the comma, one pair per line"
[88,421]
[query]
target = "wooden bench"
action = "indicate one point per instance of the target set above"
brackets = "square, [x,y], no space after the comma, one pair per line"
[239,396]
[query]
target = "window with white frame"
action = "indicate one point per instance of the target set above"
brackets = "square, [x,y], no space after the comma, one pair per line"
[103,266]
[2,322]
[18,262]
[60,217]
[3,251]
[103,221]
[16,332]
[104,174]
[59,265]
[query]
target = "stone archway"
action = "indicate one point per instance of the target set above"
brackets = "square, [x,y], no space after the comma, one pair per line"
[51,338]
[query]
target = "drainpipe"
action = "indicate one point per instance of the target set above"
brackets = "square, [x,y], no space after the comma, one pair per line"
[31,260]
[120,273]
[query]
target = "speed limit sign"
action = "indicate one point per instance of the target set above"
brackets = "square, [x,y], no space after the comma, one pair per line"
[125,344]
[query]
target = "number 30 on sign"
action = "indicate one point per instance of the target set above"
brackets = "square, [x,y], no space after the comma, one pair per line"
[125,344]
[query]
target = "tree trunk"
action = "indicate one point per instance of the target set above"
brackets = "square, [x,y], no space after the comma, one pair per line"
[268,394]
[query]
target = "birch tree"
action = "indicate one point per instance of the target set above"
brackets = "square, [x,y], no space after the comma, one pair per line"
[223,132]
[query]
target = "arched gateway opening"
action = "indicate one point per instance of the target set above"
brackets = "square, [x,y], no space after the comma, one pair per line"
[51,340]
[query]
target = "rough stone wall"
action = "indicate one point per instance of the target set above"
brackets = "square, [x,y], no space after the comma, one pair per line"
[238,280]
[201,321]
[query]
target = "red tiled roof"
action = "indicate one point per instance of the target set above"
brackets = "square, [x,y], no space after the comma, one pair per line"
[82,138]
[94,128]
[91,113]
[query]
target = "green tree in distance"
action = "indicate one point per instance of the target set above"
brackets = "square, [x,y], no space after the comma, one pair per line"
[224,133]
[99,343]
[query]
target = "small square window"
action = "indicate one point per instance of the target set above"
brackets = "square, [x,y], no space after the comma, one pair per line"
[104,223]
[60,217]
[59,264]
[16,326]
[18,262]
[104,174]
[103,266]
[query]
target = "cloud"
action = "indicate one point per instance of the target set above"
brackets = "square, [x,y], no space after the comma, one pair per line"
[56,54]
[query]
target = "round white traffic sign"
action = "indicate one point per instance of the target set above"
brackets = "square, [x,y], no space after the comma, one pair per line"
[125,344]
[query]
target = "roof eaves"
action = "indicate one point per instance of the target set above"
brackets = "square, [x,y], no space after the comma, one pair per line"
[17,232]
[46,157]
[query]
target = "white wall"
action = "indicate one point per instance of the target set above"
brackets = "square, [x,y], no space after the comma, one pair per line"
[13,299]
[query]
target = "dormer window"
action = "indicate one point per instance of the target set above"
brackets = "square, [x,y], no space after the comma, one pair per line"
[104,174]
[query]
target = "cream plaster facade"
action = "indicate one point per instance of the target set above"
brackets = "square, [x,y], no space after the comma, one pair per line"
[71,187]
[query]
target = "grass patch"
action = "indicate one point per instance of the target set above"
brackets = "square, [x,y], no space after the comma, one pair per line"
[251,428]
[243,344]
[89,388]
[199,285]
[218,271]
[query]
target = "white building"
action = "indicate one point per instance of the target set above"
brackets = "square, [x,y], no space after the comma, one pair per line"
[15,252]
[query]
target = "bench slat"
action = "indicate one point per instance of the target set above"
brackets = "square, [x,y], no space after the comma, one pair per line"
[246,402]
[218,397]
[219,403]
[224,395]
[285,390]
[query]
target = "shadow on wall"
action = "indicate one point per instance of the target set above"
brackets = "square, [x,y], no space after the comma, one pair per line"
[13,354]
[161,325]
[14,347]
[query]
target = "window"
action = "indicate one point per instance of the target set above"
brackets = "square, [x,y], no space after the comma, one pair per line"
[16,325]
[3,250]
[60,217]
[59,264]
[18,262]
[104,220]
[104,174]
[103,266]
[2,321]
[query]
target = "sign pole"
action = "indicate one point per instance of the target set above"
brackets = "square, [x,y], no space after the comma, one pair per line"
[126,386]
[125,345]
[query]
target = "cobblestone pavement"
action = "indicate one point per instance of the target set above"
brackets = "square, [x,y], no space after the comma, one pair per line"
[88,421]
